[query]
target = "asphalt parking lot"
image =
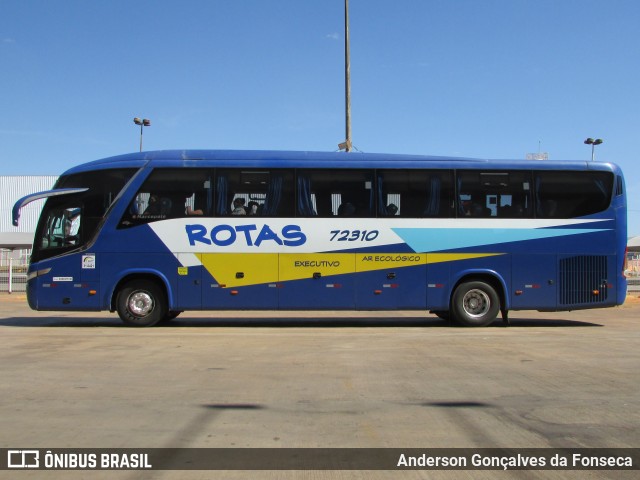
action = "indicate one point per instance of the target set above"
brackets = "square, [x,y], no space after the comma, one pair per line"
[320,379]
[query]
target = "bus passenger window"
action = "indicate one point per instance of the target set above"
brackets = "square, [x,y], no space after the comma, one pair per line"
[494,194]
[561,194]
[335,193]
[255,192]
[414,193]
[171,193]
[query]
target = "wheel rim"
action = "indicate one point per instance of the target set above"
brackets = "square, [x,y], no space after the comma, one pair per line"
[476,303]
[140,304]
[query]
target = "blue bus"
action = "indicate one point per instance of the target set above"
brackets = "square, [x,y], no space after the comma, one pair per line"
[150,235]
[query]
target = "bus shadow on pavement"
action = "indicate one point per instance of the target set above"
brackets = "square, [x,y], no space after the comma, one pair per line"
[246,322]
[547,322]
[307,322]
[290,322]
[60,322]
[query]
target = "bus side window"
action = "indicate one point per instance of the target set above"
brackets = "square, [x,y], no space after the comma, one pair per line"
[255,192]
[332,193]
[572,194]
[494,194]
[171,193]
[414,193]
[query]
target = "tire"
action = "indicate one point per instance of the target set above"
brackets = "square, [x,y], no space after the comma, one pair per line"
[141,303]
[475,304]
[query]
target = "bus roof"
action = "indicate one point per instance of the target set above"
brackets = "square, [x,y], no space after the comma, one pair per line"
[339,160]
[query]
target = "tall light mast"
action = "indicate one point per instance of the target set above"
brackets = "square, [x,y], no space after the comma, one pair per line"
[347,144]
[347,77]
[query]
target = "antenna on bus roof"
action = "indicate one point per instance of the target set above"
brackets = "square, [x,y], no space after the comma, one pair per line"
[538,156]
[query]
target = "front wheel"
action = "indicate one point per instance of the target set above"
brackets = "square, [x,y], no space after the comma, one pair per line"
[475,304]
[141,303]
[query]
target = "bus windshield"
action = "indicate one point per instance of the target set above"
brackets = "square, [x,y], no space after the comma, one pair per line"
[70,221]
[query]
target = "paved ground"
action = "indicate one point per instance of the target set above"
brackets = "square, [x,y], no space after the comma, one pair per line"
[327,379]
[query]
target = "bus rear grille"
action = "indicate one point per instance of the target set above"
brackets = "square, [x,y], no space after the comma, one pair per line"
[583,280]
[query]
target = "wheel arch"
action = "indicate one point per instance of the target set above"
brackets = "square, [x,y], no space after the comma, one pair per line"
[151,275]
[490,277]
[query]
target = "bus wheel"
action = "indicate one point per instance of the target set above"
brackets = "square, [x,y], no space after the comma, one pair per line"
[475,304]
[141,303]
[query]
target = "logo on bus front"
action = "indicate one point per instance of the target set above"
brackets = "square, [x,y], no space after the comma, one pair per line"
[251,235]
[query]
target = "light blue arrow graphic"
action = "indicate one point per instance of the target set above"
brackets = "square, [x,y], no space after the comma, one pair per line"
[437,239]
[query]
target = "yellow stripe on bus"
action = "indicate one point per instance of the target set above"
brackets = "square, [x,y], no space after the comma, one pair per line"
[296,266]
[369,262]
[454,257]
[243,269]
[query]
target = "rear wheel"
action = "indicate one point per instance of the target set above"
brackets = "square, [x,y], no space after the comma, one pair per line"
[475,304]
[141,303]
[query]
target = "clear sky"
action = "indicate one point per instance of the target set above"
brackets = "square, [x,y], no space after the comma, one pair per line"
[476,78]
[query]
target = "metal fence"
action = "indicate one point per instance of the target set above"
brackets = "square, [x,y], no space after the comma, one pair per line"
[13,270]
[633,272]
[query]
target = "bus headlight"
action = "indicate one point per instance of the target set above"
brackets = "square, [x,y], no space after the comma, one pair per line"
[37,273]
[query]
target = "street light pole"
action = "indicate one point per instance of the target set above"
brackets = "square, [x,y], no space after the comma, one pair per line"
[593,143]
[143,122]
[347,78]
